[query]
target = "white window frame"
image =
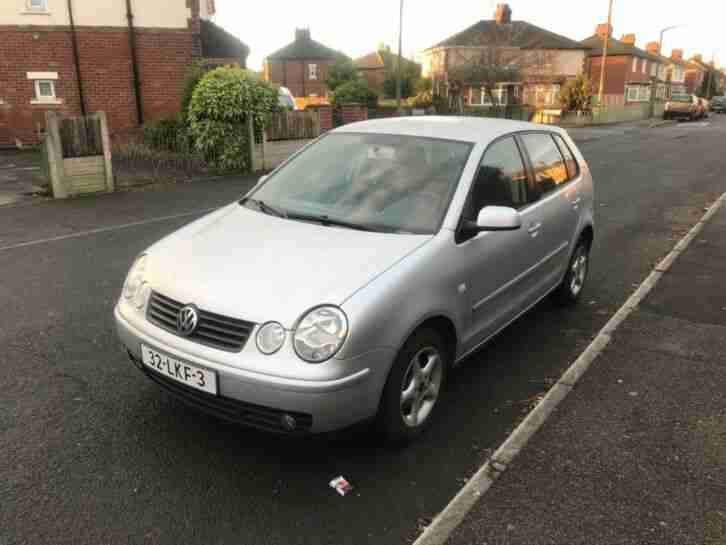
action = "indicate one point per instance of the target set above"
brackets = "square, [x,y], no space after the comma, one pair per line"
[635,64]
[39,78]
[312,71]
[41,8]
[654,69]
[637,93]
[644,66]
[499,93]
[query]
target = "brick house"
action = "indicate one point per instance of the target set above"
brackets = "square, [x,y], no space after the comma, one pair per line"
[696,73]
[125,57]
[545,60]
[630,72]
[374,66]
[301,66]
[676,72]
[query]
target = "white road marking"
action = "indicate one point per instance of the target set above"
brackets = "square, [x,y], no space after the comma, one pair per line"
[103,230]
[453,514]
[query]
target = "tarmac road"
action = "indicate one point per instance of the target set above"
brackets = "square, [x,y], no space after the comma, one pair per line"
[92,452]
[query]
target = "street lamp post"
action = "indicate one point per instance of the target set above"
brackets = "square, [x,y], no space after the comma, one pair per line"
[604,56]
[660,42]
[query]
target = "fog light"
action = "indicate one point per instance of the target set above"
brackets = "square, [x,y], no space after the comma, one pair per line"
[289,422]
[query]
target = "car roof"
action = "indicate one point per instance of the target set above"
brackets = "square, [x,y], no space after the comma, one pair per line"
[467,129]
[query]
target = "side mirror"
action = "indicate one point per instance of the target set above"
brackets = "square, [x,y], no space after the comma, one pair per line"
[496,218]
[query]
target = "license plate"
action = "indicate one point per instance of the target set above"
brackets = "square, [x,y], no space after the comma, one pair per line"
[180,371]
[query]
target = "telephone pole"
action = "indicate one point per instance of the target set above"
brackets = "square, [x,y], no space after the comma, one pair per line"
[604,56]
[400,47]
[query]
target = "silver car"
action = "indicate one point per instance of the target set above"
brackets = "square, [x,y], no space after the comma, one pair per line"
[346,284]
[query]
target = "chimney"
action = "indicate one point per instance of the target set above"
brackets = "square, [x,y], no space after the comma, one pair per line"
[503,15]
[628,39]
[652,48]
[677,54]
[604,29]
[302,34]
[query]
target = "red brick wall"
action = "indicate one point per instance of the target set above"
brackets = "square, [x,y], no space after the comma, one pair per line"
[294,75]
[617,71]
[353,112]
[106,72]
[24,51]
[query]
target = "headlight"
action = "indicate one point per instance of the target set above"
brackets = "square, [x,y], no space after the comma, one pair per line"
[320,334]
[270,337]
[135,287]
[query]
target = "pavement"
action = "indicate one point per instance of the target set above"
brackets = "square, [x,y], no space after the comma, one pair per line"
[20,177]
[92,452]
[636,453]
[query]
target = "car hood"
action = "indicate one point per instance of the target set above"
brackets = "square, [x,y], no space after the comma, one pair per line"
[243,263]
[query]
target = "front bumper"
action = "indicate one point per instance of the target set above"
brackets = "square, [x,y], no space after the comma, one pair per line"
[262,400]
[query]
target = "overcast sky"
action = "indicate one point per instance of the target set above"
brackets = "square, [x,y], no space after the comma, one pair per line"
[356,27]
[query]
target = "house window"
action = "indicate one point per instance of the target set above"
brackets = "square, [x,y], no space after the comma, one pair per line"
[653,69]
[635,64]
[312,71]
[638,93]
[644,66]
[44,87]
[37,5]
[478,96]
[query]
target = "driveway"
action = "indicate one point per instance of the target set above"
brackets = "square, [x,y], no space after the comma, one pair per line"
[20,176]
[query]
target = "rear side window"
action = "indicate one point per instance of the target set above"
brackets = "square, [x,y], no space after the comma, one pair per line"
[573,169]
[547,162]
[501,180]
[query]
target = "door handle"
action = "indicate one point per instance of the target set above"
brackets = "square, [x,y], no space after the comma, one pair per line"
[534,228]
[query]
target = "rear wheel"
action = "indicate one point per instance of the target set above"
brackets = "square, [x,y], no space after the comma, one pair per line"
[569,291]
[412,393]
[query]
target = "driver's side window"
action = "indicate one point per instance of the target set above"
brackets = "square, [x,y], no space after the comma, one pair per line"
[501,180]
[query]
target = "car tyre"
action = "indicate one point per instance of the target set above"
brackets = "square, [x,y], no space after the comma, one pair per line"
[572,285]
[415,384]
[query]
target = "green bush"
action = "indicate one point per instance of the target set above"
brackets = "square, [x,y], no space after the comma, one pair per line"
[168,135]
[193,74]
[424,99]
[355,91]
[221,103]
[576,94]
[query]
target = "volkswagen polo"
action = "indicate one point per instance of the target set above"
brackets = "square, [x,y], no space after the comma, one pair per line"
[345,285]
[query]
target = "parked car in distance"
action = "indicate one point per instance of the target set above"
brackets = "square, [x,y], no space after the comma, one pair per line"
[684,107]
[718,104]
[286,99]
[345,285]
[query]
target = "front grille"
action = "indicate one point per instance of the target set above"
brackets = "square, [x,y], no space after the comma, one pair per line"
[213,330]
[247,414]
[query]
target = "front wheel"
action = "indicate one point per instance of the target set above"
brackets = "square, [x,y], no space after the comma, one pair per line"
[568,292]
[414,387]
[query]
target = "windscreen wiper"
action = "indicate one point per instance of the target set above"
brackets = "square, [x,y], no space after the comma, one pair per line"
[327,220]
[266,208]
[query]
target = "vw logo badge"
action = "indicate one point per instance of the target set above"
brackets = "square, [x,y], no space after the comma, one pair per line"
[187,320]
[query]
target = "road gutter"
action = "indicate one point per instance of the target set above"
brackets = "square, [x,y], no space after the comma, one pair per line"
[453,514]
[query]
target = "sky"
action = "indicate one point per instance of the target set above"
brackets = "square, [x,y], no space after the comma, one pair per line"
[357,27]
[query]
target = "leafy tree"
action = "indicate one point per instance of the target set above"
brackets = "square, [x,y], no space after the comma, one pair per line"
[410,76]
[709,85]
[354,91]
[342,71]
[221,104]
[576,94]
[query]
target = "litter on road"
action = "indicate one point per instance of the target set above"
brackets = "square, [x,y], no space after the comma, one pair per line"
[341,485]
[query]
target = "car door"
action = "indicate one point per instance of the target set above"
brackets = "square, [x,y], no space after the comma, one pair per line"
[497,265]
[558,202]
